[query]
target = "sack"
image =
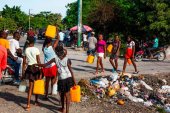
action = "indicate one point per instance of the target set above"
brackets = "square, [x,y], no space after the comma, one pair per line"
[39,87]
[51,31]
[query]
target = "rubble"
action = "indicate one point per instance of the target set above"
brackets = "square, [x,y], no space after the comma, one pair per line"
[120,88]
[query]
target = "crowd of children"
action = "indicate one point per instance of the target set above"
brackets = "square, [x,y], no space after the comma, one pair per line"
[56,67]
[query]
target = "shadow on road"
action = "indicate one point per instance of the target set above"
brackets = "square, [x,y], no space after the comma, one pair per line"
[77,60]
[22,101]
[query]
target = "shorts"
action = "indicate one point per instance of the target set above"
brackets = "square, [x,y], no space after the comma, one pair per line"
[100,55]
[50,72]
[114,56]
[129,53]
[65,85]
[32,73]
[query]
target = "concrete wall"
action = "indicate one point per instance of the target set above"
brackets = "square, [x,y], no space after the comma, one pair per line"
[168,53]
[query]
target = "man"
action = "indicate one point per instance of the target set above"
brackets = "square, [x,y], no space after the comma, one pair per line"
[92,44]
[31,33]
[3,59]
[61,34]
[11,59]
[155,45]
[85,42]
[16,50]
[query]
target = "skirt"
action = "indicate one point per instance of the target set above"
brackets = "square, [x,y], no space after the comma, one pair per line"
[51,71]
[32,73]
[128,53]
[65,85]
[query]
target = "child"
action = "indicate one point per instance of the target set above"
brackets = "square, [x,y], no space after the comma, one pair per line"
[130,52]
[115,53]
[32,73]
[66,77]
[49,71]
[101,52]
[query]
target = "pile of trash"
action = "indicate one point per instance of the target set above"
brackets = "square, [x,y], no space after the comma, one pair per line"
[128,87]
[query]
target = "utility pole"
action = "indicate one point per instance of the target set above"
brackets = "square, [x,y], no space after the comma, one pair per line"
[29,18]
[79,23]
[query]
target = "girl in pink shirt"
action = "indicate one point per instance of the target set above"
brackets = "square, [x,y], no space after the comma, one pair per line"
[101,52]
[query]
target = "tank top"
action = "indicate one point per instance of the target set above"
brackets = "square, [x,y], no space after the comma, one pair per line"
[63,70]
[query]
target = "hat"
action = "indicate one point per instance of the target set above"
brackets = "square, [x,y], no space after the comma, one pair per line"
[93,33]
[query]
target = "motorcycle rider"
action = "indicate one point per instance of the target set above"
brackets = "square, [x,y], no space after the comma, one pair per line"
[17,52]
[155,43]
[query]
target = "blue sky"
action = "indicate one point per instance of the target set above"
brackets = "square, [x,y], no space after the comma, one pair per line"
[36,6]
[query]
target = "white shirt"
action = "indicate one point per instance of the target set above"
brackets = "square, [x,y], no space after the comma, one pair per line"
[14,45]
[31,53]
[131,44]
[84,37]
[61,36]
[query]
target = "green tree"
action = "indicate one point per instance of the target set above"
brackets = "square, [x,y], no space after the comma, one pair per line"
[8,24]
[15,14]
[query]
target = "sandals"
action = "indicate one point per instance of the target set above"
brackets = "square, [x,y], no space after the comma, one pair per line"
[136,72]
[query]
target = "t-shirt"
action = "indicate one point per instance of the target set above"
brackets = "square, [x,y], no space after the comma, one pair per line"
[4,43]
[63,68]
[156,43]
[61,34]
[31,53]
[30,33]
[92,42]
[3,59]
[14,45]
[84,37]
[100,46]
[131,44]
[48,55]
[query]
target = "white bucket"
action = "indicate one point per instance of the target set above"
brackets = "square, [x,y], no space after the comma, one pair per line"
[22,86]
[55,88]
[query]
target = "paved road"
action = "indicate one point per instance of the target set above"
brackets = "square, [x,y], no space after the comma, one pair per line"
[85,70]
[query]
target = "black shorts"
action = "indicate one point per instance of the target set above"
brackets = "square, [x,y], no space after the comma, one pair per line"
[65,85]
[114,56]
[32,73]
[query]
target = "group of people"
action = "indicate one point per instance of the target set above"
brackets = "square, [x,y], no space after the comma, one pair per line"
[99,46]
[56,67]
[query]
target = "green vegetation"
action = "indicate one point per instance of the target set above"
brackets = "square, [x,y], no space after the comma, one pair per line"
[140,18]
[12,18]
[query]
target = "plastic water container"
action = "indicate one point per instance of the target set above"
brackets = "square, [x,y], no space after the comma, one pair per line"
[22,86]
[75,93]
[129,61]
[39,87]
[90,59]
[50,31]
[109,48]
[55,88]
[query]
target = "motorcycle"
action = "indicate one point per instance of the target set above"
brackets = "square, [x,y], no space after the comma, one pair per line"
[158,53]
[7,75]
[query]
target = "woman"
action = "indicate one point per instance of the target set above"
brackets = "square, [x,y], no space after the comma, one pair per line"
[50,71]
[101,52]
[115,53]
[130,52]
[32,73]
